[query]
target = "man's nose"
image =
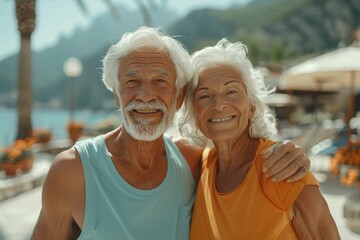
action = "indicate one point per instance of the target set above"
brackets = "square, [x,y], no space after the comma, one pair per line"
[146,93]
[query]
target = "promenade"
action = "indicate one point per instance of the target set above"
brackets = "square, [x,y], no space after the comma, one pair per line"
[20,209]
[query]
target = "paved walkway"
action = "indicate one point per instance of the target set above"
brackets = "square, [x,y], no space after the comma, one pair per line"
[18,214]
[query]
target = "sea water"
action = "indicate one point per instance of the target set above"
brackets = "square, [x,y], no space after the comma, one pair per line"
[53,119]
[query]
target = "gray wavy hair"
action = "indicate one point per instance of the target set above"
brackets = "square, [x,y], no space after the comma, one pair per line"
[146,37]
[263,122]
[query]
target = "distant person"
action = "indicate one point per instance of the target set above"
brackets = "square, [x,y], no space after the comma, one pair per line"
[134,182]
[234,199]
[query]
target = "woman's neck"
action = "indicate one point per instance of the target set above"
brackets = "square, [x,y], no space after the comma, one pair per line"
[235,153]
[234,161]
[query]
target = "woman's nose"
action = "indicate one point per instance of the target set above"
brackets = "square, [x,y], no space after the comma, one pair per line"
[219,103]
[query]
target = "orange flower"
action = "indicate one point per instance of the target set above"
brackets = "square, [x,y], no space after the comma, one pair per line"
[18,150]
[349,156]
[351,177]
[75,130]
[14,153]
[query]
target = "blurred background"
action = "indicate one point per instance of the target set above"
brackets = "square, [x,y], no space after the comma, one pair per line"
[51,92]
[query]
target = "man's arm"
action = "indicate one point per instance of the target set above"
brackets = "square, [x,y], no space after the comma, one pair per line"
[312,218]
[287,161]
[63,190]
[192,155]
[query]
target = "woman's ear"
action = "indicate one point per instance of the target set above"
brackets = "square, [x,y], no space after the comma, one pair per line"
[180,97]
[252,111]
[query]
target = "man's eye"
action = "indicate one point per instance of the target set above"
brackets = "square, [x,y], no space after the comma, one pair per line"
[204,96]
[131,81]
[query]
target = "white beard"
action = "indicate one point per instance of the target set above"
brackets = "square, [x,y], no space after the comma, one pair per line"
[143,130]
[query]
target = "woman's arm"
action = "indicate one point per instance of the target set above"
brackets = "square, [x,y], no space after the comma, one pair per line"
[312,218]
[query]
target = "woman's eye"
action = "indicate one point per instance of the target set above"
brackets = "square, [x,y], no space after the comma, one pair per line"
[160,80]
[231,92]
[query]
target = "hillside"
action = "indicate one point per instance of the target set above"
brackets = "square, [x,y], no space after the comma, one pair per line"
[274,30]
[89,45]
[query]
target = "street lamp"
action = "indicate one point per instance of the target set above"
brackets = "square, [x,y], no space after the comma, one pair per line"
[72,69]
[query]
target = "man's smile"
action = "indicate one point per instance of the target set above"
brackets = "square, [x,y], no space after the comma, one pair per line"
[146,111]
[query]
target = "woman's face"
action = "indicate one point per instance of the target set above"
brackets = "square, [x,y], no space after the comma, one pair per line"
[221,105]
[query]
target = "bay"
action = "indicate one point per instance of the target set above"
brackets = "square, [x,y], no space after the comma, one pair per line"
[53,119]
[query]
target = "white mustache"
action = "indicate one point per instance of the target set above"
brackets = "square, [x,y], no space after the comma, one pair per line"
[156,105]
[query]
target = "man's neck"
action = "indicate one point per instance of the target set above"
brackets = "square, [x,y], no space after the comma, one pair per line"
[141,163]
[143,153]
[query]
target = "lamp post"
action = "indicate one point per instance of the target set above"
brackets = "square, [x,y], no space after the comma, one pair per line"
[72,69]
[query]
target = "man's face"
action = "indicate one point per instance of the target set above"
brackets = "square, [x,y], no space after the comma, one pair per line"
[147,93]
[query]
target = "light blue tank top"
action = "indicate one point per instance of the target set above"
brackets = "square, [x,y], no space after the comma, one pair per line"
[116,210]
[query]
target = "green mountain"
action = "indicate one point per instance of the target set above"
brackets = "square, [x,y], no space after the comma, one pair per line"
[273,30]
[51,86]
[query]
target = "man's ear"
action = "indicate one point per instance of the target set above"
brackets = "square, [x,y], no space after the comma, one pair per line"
[180,97]
[116,99]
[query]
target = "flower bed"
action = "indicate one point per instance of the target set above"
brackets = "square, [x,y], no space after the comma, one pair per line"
[346,163]
[17,157]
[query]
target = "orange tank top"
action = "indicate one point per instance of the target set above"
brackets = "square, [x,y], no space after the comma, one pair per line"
[257,209]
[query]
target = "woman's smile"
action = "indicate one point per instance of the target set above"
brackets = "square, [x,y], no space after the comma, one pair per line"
[221,119]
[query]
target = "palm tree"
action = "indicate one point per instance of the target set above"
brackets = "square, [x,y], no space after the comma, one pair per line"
[25,14]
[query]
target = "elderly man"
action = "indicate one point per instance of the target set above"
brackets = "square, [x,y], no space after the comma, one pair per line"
[134,182]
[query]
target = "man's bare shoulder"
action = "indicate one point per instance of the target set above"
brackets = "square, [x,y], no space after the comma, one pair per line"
[67,163]
[63,198]
[187,148]
[65,174]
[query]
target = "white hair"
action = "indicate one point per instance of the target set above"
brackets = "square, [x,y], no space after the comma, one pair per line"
[263,122]
[146,37]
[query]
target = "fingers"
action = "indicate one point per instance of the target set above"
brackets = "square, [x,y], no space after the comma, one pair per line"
[280,156]
[281,171]
[286,161]
[270,159]
[301,172]
[304,161]
[293,172]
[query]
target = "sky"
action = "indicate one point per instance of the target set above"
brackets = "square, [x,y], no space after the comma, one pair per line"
[56,18]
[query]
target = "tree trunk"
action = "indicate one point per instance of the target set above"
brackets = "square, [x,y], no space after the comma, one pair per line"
[25,13]
[24,101]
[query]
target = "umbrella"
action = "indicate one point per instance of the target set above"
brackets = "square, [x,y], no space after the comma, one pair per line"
[333,71]
[279,100]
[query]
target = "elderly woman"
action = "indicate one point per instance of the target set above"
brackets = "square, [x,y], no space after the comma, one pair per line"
[235,200]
